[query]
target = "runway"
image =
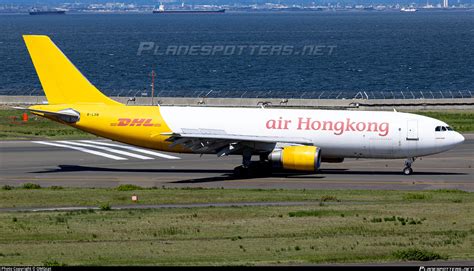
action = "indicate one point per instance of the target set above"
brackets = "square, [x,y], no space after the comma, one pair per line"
[109,164]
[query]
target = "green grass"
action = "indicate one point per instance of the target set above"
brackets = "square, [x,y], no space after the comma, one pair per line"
[417,196]
[414,254]
[105,207]
[7,187]
[317,213]
[54,197]
[129,187]
[31,186]
[459,120]
[362,226]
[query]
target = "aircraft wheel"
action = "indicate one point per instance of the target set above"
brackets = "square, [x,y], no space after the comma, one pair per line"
[407,171]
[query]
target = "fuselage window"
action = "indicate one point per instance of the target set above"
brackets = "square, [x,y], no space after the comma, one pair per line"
[449,128]
[438,129]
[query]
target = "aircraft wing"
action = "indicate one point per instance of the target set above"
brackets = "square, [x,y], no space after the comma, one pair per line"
[204,140]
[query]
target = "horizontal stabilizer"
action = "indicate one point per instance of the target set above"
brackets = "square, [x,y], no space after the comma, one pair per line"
[68,115]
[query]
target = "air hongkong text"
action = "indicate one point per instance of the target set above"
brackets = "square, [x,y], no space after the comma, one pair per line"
[338,127]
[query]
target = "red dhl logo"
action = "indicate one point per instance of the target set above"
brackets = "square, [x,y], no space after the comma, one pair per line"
[135,122]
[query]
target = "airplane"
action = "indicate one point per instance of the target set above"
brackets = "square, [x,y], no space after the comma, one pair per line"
[284,139]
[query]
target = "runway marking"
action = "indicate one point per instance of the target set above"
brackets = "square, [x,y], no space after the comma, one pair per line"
[132,149]
[85,145]
[107,149]
[82,150]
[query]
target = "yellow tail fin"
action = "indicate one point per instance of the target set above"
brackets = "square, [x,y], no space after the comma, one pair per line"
[62,82]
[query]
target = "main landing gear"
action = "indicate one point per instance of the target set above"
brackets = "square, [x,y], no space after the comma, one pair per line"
[244,170]
[253,168]
[408,170]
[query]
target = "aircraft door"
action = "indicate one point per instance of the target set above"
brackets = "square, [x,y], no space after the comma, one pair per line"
[412,130]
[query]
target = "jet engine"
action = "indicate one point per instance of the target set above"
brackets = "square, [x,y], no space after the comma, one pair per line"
[301,158]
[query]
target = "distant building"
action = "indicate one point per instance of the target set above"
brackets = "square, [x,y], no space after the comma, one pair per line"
[445,3]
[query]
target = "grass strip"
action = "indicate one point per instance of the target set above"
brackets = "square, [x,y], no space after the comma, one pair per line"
[55,196]
[339,226]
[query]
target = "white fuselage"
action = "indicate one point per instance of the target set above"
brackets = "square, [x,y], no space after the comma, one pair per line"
[339,133]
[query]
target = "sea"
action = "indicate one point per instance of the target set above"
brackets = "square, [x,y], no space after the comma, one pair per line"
[294,55]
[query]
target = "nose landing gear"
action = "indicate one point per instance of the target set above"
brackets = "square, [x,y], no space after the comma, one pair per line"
[408,170]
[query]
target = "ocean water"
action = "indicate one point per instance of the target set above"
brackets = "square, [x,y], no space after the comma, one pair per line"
[327,54]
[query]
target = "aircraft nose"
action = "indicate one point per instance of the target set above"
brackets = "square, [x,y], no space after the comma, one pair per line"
[458,138]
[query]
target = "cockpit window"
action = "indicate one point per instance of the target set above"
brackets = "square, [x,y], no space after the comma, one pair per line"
[443,129]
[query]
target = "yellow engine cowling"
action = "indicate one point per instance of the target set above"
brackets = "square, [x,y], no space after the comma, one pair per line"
[301,158]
